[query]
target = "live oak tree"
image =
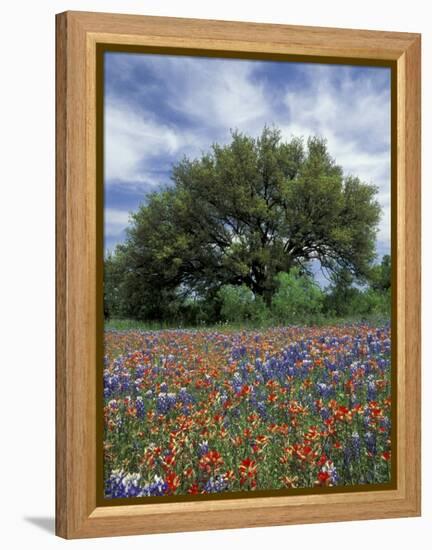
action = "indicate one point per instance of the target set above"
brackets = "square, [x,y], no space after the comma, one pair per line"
[240,215]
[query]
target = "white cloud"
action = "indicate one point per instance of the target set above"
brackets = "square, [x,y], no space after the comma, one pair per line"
[222,94]
[229,99]
[115,221]
[334,98]
[131,137]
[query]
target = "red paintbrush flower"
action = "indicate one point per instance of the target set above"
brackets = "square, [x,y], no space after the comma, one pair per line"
[193,489]
[211,461]
[173,481]
[386,455]
[323,478]
[168,462]
[322,460]
[247,470]
[189,472]
[244,391]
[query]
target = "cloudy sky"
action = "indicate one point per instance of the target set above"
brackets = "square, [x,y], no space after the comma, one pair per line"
[159,108]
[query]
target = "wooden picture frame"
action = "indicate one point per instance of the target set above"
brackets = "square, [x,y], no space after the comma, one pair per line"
[77,301]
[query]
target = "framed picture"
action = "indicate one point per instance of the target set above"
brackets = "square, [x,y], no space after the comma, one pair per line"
[238,274]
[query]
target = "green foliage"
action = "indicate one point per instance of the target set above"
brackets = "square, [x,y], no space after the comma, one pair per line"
[240,304]
[114,276]
[381,275]
[298,298]
[374,303]
[341,299]
[240,215]
[345,300]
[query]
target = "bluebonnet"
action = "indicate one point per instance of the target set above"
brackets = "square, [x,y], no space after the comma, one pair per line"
[124,380]
[121,485]
[355,445]
[385,422]
[139,405]
[243,371]
[113,405]
[238,353]
[334,476]
[111,384]
[262,409]
[335,376]
[139,371]
[236,382]
[347,456]
[370,442]
[155,489]
[203,448]
[323,390]
[371,390]
[165,402]
[325,413]
[216,484]
[185,397]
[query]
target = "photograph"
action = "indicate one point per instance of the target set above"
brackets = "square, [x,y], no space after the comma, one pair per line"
[247,277]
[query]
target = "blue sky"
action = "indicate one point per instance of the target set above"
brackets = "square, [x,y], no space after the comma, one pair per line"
[159,108]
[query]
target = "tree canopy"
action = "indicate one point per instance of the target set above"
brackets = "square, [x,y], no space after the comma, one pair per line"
[240,215]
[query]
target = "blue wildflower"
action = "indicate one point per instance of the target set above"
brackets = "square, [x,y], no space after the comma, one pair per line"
[139,405]
[370,442]
[216,484]
[203,448]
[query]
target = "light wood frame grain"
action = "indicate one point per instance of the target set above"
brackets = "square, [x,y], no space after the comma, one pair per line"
[78,33]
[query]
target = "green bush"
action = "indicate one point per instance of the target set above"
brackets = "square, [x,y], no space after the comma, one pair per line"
[239,303]
[298,298]
[375,303]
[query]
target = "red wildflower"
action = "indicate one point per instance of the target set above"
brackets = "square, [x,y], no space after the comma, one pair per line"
[173,481]
[248,469]
[229,474]
[168,461]
[244,391]
[322,460]
[211,461]
[247,432]
[272,397]
[193,489]
[323,478]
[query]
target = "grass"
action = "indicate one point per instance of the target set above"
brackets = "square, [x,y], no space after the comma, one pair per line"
[133,324]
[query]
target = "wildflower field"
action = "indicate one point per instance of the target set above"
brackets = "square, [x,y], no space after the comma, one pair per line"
[207,411]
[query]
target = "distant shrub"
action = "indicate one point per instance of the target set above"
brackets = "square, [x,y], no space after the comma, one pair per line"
[375,303]
[298,298]
[239,303]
